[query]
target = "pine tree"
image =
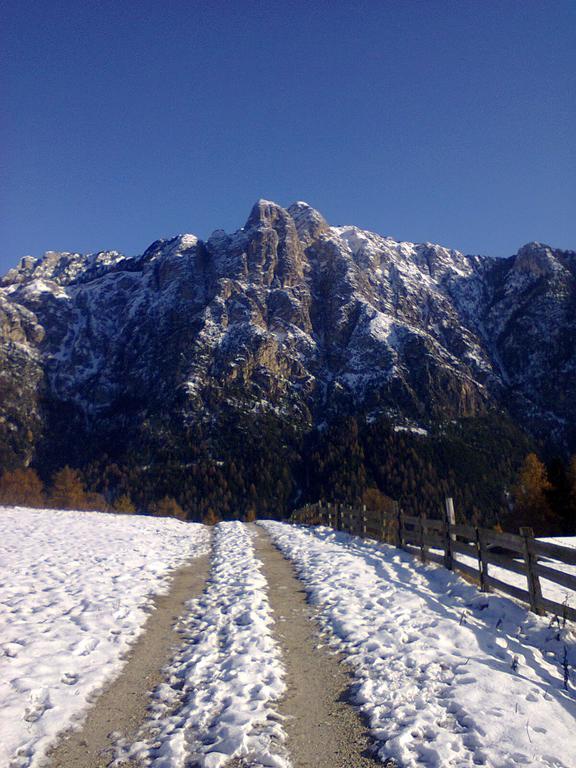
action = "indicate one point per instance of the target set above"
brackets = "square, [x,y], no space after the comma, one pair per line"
[571,521]
[210,518]
[68,490]
[124,505]
[532,507]
[167,507]
[96,502]
[561,498]
[21,487]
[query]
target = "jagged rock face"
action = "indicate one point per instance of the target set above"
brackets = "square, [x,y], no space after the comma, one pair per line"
[531,320]
[21,377]
[292,316]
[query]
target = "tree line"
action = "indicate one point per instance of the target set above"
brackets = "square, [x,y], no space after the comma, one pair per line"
[23,487]
[250,468]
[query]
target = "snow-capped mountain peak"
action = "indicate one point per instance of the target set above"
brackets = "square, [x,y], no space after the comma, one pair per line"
[294,316]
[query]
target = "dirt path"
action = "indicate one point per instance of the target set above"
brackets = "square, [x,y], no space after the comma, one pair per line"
[122,706]
[324,731]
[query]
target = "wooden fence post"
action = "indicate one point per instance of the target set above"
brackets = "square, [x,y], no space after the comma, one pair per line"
[449,536]
[422,542]
[482,565]
[382,526]
[398,510]
[532,577]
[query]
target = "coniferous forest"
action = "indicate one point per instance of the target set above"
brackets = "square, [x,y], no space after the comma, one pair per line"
[251,468]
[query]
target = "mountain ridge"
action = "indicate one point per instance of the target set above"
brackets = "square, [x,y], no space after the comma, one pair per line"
[287,316]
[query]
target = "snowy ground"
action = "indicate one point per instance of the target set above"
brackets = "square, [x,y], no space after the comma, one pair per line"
[218,701]
[74,593]
[445,675]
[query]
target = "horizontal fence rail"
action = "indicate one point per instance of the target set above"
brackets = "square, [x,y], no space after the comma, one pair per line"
[479,553]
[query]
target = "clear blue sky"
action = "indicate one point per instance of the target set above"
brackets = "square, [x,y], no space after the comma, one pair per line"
[453,122]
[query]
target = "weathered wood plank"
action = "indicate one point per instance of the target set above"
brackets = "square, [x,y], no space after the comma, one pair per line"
[434,525]
[449,536]
[530,560]
[434,540]
[504,540]
[492,558]
[558,577]
[509,589]
[565,555]
[467,531]
[560,609]
[465,568]
[464,549]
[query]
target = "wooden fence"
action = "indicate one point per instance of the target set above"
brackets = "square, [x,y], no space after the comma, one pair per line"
[444,542]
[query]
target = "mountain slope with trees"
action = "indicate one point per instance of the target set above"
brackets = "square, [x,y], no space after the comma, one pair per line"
[219,372]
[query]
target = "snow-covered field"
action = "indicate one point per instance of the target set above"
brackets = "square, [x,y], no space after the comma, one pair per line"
[446,676]
[74,593]
[218,701]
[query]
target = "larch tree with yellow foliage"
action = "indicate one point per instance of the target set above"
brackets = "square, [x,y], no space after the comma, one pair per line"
[531,505]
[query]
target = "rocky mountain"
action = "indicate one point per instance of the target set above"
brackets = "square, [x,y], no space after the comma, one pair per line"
[288,317]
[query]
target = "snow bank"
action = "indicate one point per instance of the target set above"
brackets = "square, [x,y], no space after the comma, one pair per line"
[218,698]
[445,675]
[74,593]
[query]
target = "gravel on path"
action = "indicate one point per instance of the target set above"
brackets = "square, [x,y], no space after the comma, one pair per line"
[122,706]
[324,730]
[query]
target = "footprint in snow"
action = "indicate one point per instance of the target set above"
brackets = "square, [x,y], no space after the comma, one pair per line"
[39,703]
[85,647]
[69,678]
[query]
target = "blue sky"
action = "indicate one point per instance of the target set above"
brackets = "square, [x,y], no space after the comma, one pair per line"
[453,122]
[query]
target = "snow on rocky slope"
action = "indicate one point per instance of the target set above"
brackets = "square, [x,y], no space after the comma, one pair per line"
[74,592]
[287,315]
[445,675]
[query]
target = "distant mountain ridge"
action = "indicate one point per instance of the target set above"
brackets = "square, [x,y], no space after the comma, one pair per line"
[287,316]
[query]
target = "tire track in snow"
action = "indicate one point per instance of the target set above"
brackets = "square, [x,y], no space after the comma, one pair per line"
[324,730]
[436,692]
[75,589]
[121,708]
[218,700]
